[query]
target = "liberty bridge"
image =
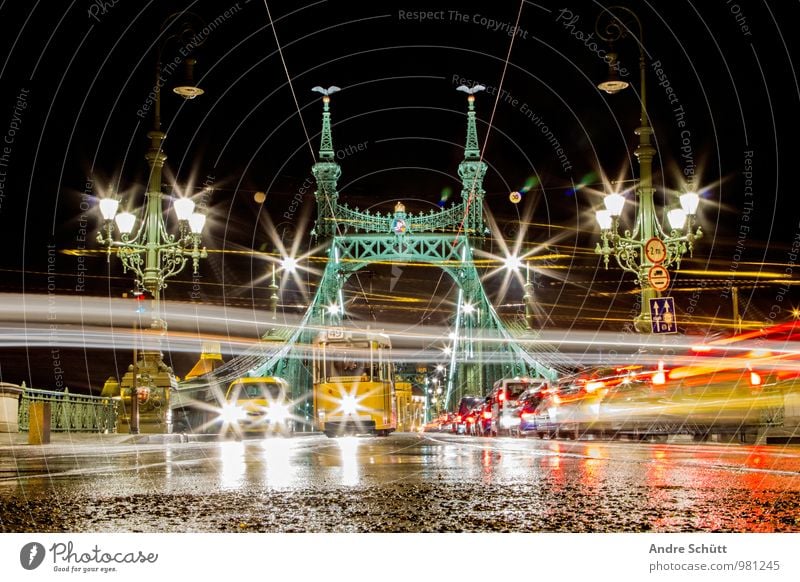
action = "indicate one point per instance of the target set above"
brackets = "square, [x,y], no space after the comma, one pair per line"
[483,348]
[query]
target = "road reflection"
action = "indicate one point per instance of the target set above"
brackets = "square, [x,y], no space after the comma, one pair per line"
[348,452]
[279,471]
[470,484]
[593,466]
[233,464]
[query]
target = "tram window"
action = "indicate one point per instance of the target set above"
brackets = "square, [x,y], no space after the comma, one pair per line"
[243,391]
[343,367]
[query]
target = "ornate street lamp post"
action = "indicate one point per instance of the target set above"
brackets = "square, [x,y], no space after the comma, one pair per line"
[153,254]
[630,248]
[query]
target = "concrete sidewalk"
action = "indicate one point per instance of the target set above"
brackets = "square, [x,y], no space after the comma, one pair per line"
[78,439]
[20,439]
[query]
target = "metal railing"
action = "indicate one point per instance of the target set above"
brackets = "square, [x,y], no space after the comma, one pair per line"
[70,412]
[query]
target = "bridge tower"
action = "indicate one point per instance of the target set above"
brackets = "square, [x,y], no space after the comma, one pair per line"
[482,349]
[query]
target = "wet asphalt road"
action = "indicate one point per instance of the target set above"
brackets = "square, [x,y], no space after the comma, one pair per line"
[403,483]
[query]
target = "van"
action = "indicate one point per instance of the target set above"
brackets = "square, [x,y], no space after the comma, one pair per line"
[506,406]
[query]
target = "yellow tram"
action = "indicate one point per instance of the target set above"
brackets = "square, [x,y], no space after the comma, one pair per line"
[353,383]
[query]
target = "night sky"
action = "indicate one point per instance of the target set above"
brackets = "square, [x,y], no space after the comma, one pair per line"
[722,95]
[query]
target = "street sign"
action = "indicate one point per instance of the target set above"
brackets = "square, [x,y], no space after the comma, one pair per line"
[658,277]
[655,250]
[662,314]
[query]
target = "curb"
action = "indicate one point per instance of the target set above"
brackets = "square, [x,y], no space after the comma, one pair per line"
[169,439]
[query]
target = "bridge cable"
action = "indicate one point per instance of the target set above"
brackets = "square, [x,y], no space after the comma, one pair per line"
[491,121]
[289,80]
[305,131]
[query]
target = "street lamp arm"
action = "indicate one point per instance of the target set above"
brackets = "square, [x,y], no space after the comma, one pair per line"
[195,253]
[679,244]
[174,262]
[628,251]
[625,251]
[614,30]
[138,247]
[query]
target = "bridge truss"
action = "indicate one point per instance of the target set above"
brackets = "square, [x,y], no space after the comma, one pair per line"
[482,348]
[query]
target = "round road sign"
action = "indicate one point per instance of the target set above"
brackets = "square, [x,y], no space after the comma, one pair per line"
[655,250]
[658,277]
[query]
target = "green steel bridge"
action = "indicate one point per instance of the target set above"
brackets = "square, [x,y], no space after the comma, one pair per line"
[483,349]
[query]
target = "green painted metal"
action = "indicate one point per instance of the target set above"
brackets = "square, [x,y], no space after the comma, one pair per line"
[152,254]
[326,172]
[628,249]
[483,350]
[71,412]
[333,219]
[457,218]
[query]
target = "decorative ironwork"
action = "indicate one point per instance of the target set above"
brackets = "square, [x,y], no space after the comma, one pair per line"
[71,412]
[482,351]
[628,249]
[153,254]
[442,238]
[615,23]
[335,219]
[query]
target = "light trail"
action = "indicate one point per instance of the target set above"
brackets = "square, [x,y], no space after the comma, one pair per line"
[79,322]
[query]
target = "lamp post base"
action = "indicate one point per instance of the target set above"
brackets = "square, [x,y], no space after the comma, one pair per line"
[155,382]
[642,323]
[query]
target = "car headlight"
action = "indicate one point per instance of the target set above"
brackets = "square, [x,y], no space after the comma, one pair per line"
[232,413]
[278,413]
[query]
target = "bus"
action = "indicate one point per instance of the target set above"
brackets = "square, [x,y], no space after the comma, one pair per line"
[353,383]
[258,404]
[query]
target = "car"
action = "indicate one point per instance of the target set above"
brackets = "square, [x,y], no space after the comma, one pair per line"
[463,413]
[529,402]
[442,423]
[258,405]
[483,422]
[471,419]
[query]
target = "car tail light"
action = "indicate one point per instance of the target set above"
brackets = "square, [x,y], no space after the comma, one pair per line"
[487,414]
[556,399]
[701,349]
[501,396]
[470,420]
[755,379]
[592,386]
[660,377]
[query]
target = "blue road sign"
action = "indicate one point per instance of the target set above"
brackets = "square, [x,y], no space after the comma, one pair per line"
[662,313]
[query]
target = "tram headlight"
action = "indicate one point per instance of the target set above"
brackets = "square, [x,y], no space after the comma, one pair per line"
[349,404]
[278,413]
[232,413]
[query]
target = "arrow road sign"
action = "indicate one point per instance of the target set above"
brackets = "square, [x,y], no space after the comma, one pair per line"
[662,314]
